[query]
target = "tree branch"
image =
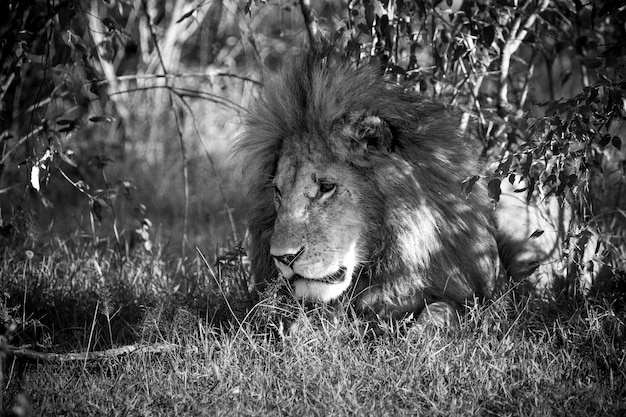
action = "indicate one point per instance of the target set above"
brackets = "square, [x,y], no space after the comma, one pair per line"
[24,353]
[311,24]
[518,33]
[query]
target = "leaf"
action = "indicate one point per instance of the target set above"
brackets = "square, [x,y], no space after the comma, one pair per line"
[99,119]
[396,69]
[67,157]
[468,184]
[459,52]
[512,178]
[531,188]
[592,94]
[110,24]
[494,189]
[617,142]
[96,209]
[487,36]
[247,8]
[604,140]
[505,165]
[186,15]
[70,125]
[527,164]
[34,177]
[371,10]
[536,234]
[363,28]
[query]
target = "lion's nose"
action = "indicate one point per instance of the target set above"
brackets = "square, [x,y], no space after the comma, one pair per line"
[289,258]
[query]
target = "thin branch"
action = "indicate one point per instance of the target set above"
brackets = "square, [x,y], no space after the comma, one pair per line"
[25,353]
[23,139]
[529,74]
[93,326]
[240,323]
[5,87]
[185,92]
[518,34]
[181,140]
[311,24]
[474,89]
[176,76]
[185,166]
[212,165]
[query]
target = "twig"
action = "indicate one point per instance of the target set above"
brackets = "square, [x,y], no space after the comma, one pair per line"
[212,162]
[176,76]
[240,323]
[23,353]
[311,24]
[185,167]
[23,139]
[529,72]
[518,33]
[179,129]
[93,326]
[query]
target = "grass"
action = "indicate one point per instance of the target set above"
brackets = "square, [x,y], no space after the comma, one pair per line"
[511,356]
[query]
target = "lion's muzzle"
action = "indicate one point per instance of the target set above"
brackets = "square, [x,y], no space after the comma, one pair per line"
[289,258]
[321,288]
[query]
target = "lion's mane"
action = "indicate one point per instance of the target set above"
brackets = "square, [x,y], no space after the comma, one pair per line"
[427,240]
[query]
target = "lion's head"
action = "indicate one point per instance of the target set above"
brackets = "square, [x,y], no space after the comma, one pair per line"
[356,187]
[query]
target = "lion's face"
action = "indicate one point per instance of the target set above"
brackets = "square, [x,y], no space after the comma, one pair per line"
[317,234]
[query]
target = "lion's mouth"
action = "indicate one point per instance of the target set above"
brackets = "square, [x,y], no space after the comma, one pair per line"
[333,278]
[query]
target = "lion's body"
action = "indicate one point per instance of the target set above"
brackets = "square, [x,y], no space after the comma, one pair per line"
[356,188]
[541,245]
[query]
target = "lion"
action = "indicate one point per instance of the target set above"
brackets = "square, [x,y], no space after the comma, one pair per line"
[543,245]
[355,186]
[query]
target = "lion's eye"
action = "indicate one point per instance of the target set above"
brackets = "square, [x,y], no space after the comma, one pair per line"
[327,187]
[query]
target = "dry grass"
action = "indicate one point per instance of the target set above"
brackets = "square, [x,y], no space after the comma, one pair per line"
[512,356]
[332,371]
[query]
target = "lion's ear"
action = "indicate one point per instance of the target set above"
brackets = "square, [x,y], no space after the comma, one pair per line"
[372,133]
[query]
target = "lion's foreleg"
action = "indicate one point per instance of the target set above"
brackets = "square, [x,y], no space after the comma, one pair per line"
[439,314]
[374,300]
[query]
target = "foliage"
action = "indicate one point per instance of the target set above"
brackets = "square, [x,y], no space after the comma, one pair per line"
[540,83]
[87,87]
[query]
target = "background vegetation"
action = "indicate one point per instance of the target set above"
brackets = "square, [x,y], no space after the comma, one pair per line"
[122,214]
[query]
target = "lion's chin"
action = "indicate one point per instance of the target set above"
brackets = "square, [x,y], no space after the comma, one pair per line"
[323,289]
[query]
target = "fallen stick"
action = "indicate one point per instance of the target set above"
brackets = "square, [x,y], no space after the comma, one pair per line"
[24,353]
